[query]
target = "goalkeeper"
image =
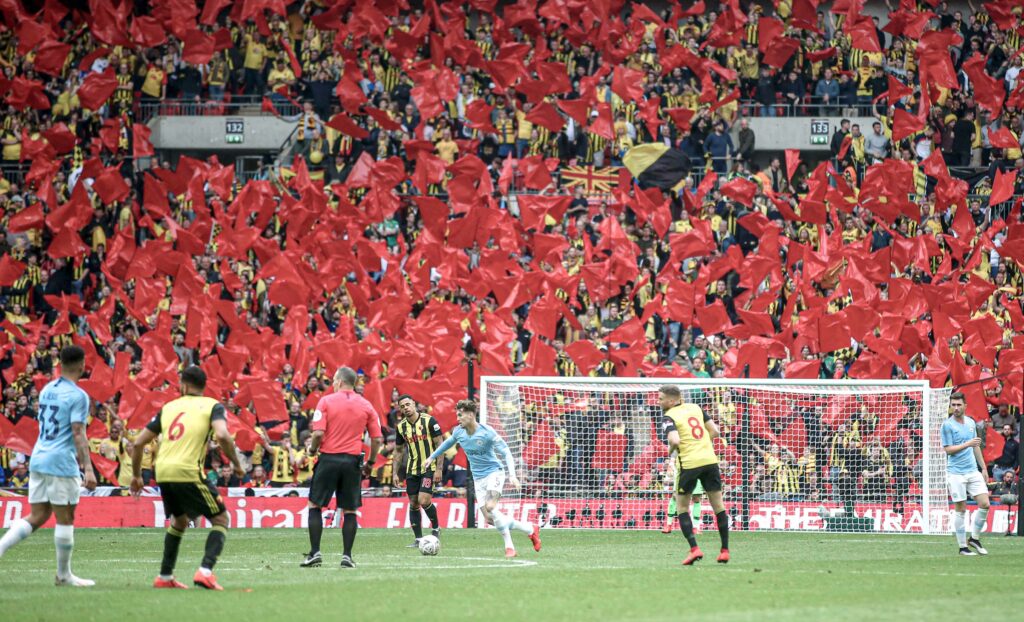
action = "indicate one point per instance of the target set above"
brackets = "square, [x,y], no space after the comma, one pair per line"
[670,487]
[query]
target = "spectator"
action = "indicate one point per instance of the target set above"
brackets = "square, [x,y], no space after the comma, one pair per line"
[876,144]
[827,92]
[746,139]
[766,93]
[839,136]
[1008,460]
[718,146]
[793,91]
[1002,417]
[964,133]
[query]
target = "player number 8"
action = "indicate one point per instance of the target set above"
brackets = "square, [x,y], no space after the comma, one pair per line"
[696,427]
[177,428]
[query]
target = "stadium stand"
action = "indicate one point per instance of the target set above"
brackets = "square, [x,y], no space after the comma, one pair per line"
[453,194]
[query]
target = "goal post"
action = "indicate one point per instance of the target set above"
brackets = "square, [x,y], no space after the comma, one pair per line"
[830,455]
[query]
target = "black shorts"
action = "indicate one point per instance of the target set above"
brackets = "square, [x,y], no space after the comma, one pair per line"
[709,475]
[417,484]
[193,499]
[337,474]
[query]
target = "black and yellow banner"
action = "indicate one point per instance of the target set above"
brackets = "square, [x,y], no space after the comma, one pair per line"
[656,165]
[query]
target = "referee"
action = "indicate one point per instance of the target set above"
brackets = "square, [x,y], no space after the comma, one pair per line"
[339,422]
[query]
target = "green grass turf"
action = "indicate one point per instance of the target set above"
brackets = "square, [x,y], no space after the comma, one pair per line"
[580,575]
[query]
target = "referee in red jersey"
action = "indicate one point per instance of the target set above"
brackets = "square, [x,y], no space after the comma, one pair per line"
[339,422]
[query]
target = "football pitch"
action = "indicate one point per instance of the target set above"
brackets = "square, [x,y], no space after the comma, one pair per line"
[579,575]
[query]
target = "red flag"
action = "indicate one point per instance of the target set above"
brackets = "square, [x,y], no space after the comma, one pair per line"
[27,219]
[141,147]
[611,453]
[988,92]
[546,115]
[681,117]
[863,35]
[541,446]
[628,84]
[585,354]
[792,162]
[110,185]
[10,270]
[806,370]
[1003,138]
[575,108]
[713,318]
[105,467]
[23,436]
[51,56]
[97,88]
[1002,188]
[199,48]
[540,358]
[781,51]
[740,189]
[344,124]
[833,333]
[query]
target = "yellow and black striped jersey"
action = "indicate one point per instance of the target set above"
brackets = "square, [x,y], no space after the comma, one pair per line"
[419,437]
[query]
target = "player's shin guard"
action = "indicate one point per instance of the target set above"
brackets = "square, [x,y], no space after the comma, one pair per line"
[958,528]
[348,532]
[64,540]
[316,529]
[416,521]
[431,511]
[686,525]
[214,546]
[723,527]
[20,530]
[172,542]
[980,521]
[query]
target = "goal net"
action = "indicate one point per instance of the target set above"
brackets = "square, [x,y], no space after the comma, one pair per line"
[795,455]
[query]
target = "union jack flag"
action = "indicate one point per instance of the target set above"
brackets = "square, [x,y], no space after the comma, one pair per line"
[593,180]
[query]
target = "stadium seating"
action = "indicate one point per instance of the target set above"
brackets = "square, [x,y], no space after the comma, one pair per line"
[454,201]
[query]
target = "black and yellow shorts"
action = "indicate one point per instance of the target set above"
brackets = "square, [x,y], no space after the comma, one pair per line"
[194,499]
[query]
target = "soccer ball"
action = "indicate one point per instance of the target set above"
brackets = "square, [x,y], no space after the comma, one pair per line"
[430,545]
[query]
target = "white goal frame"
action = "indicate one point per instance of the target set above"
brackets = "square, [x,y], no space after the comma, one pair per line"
[933,499]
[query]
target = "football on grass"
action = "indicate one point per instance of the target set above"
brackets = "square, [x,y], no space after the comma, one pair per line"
[430,545]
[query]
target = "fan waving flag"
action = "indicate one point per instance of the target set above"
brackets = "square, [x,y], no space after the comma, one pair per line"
[656,165]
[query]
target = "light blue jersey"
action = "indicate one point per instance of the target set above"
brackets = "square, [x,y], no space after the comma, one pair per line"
[953,433]
[61,403]
[482,449]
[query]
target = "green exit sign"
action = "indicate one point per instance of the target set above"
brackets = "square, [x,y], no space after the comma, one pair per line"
[234,139]
[819,140]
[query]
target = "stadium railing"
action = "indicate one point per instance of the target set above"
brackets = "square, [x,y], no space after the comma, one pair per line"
[236,105]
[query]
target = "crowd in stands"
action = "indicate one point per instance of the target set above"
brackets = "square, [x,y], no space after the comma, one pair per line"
[400,241]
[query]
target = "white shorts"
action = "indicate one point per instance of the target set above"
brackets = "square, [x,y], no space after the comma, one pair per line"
[961,486]
[53,489]
[495,482]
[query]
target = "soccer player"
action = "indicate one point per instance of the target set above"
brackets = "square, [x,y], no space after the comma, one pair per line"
[62,447]
[419,434]
[964,463]
[481,444]
[339,422]
[690,431]
[185,425]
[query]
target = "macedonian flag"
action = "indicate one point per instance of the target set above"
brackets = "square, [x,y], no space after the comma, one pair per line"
[656,165]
